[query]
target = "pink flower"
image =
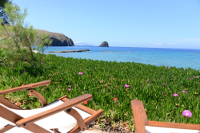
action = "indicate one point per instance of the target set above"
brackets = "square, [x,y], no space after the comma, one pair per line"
[175,94]
[147,80]
[81,73]
[126,86]
[168,67]
[184,91]
[136,88]
[187,113]
[196,77]
[114,99]
[101,81]
[190,78]
[69,89]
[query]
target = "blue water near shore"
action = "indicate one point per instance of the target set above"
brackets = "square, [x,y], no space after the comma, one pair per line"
[155,56]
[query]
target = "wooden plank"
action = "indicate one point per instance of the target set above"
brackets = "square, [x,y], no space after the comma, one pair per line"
[9,104]
[81,107]
[173,125]
[6,128]
[39,96]
[87,121]
[66,105]
[12,117]
[29,86]
[139,115]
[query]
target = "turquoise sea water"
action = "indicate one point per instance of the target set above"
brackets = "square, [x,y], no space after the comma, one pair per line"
[155,56]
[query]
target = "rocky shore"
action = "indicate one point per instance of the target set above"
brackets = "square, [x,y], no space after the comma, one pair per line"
[70,51]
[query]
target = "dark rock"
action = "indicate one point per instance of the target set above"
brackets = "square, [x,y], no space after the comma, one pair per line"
[84,50]
[104,44]
[58,39]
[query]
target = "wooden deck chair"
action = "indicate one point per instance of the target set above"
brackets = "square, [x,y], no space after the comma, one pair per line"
[142,125]
[62,115]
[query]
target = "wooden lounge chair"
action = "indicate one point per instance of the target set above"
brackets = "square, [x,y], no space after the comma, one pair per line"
[142,125]
[62,115]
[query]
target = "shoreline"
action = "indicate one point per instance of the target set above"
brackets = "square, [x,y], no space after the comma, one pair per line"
[69,51]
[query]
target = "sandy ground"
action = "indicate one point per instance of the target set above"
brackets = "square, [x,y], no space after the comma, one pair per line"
[94,131]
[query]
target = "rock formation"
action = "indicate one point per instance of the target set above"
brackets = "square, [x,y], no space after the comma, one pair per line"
[104,44]
[58,39]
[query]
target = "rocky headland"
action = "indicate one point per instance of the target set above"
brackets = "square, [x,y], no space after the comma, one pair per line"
[58,39]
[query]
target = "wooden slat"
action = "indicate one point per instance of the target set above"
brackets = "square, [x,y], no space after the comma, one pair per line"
[66,105]
[41,83]
[78,118]
[6,128]
[87,121]
[39,96]
[12,117]
[9,104]
[36,129]
[173,125]
[81,107]
[139,115]
[29,86]
[140,120]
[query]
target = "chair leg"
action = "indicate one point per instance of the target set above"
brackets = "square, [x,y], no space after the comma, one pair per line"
[6,128]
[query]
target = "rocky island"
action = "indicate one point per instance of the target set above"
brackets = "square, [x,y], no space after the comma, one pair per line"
[104,44]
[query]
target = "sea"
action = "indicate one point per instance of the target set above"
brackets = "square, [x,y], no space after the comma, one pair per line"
[180,58]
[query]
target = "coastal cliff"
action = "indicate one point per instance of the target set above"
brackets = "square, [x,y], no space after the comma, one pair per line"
[104,44]
[58,39]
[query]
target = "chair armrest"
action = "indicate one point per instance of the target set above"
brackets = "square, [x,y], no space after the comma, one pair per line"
[139,115]
[66,105]
[29,86]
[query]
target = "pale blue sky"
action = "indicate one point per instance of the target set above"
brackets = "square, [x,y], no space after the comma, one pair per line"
[126,23]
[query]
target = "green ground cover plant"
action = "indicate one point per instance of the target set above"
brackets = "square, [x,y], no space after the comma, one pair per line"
[165,91]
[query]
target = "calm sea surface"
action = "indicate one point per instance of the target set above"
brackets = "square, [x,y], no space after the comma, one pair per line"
[155,56]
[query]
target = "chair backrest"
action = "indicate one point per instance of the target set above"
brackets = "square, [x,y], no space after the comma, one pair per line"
[142,125]
[13,118]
